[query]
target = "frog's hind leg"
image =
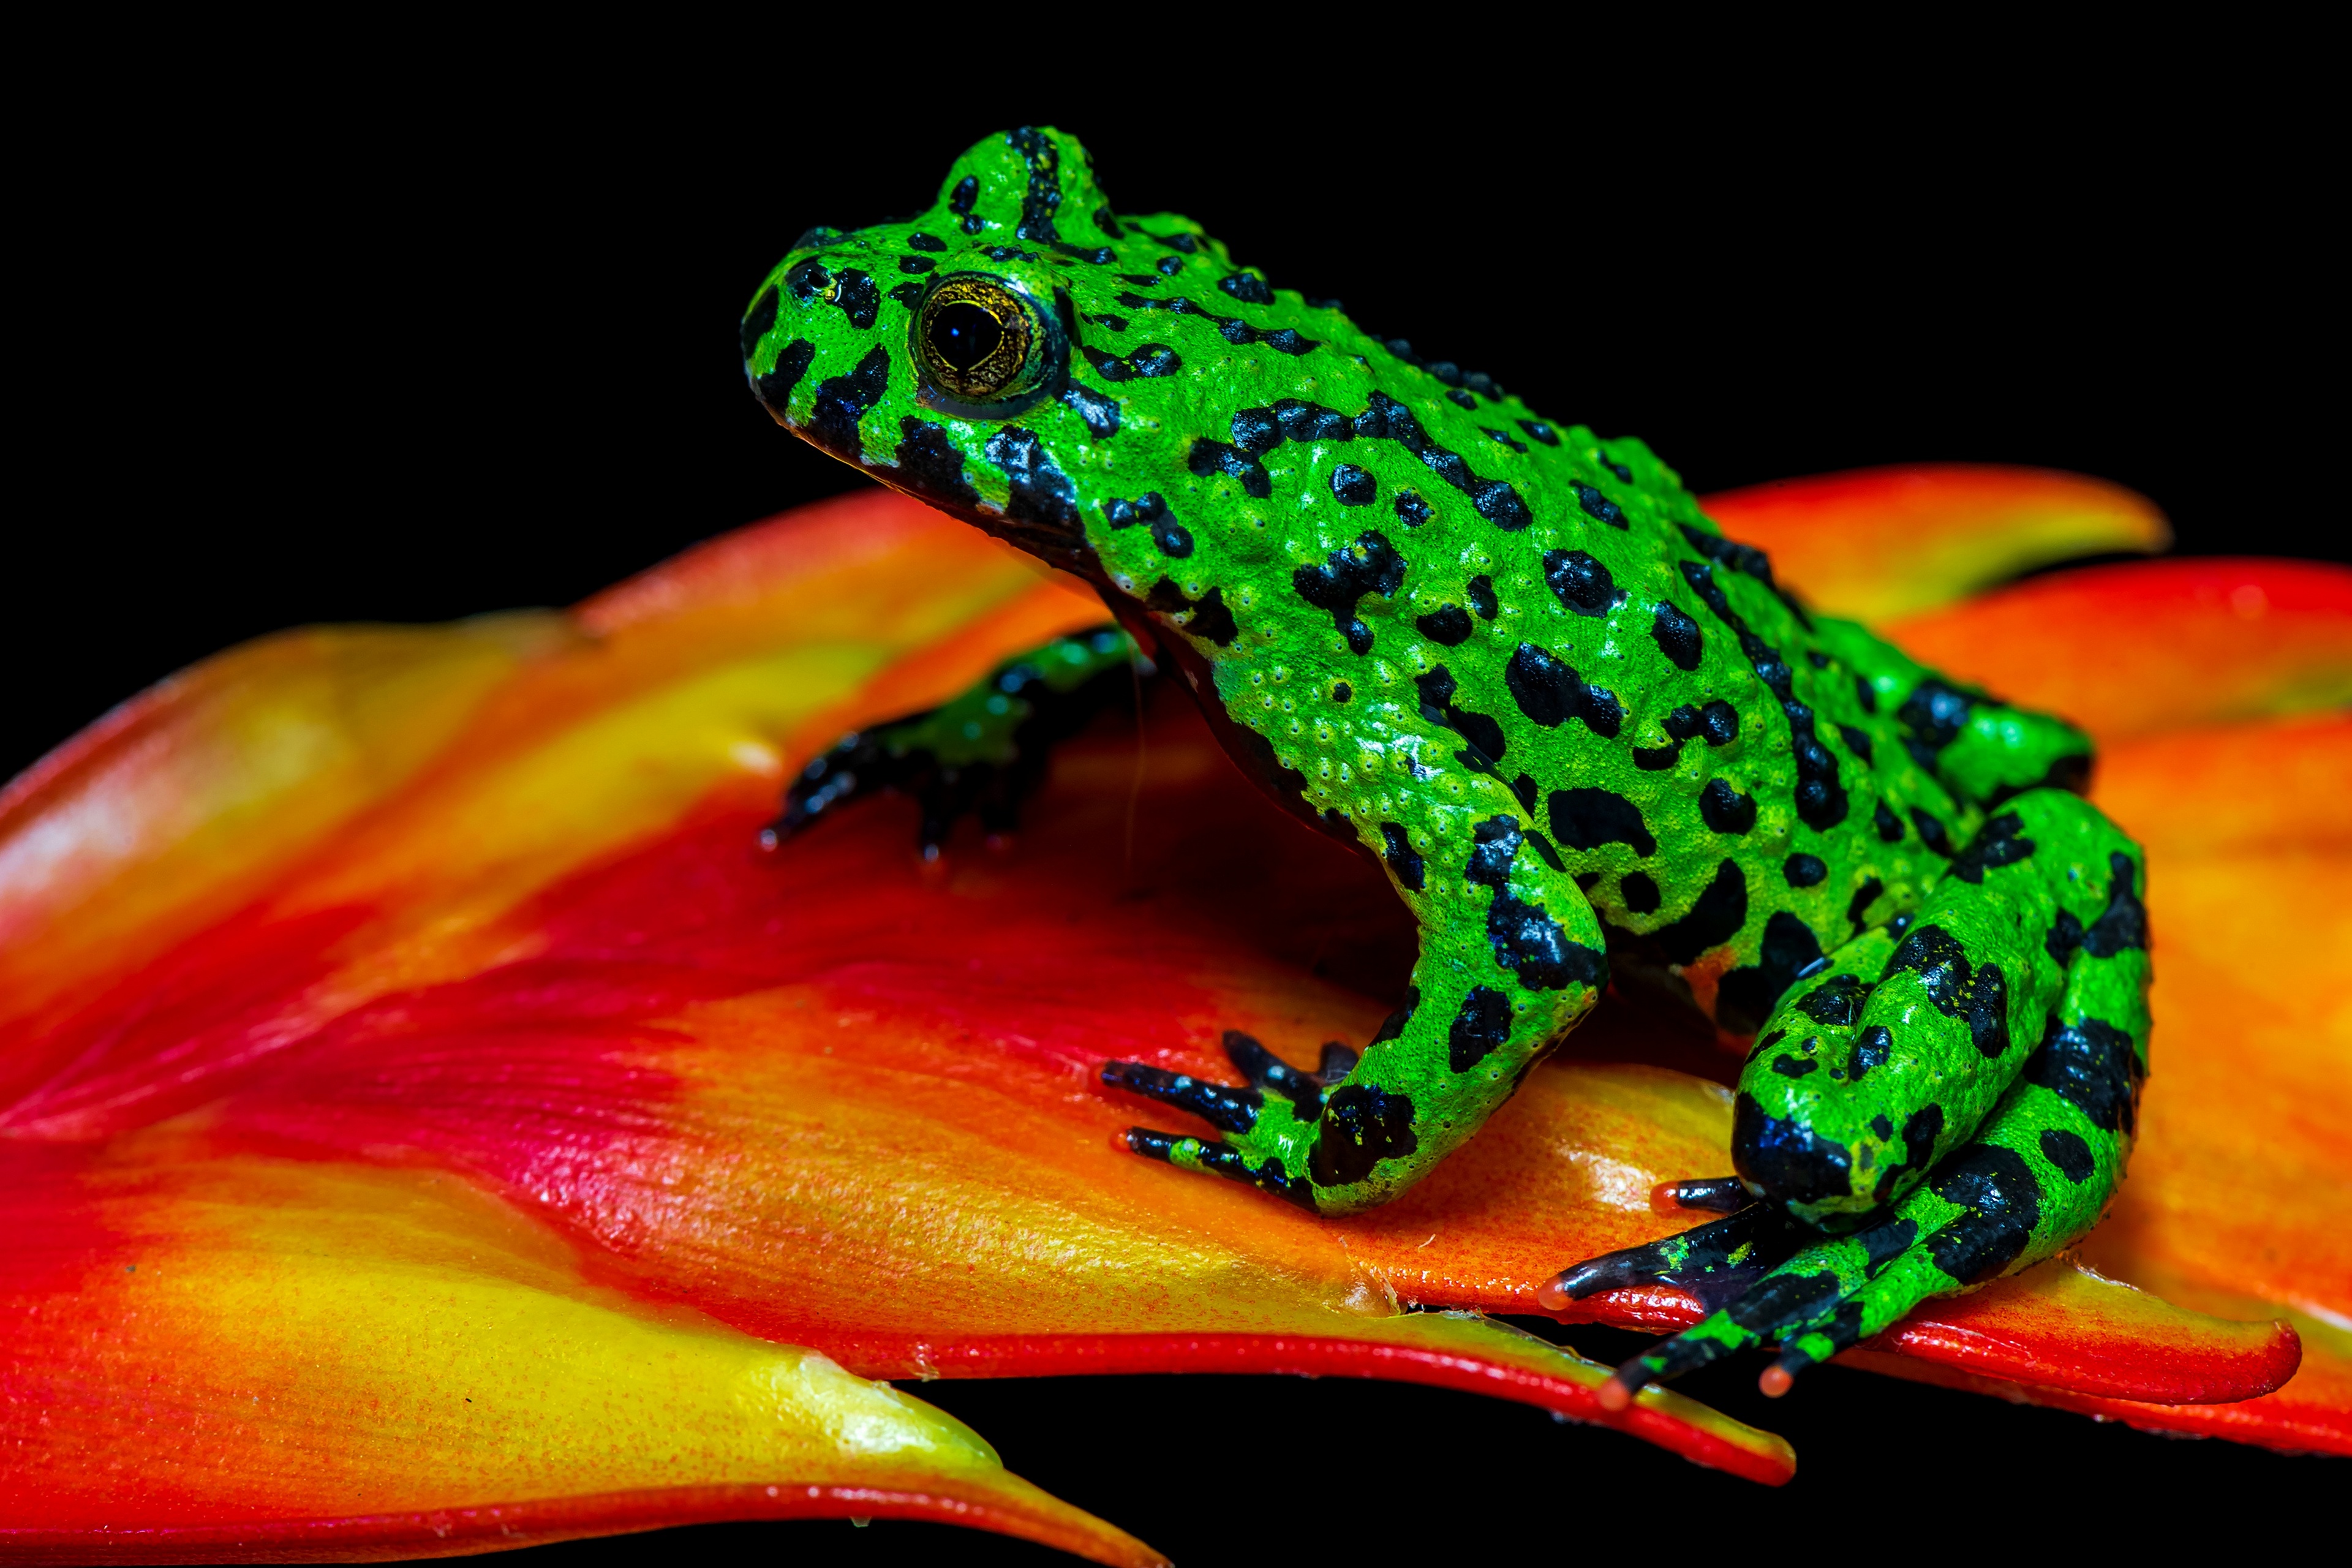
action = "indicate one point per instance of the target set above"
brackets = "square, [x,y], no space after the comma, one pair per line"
[2022,981]
[980,754]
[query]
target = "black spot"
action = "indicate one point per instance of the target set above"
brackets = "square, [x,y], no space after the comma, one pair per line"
[967,191]
[1600,506]
[1996,844]
[1677,636]
[1978,996]
[1804,871]
[1725,809]
[1043,195]
[1932,832]
[1613,466]
[1401,857]
[1588,818]
[2093,1064]
[1934,713]
[1880,1125]
[775,390]
[929,242]
[1528,790]
[1150,510]
[1889,826]
[1480,592]
[1354,486]
[1211,618]
[2065,936]
[1100,413]
[843,400]
[1369,566]
[908,294]
[1640,893]
[1361,1126]
[1717,723]
[1882,1243]
[1793,1067]
[1581,583]
[1871,1050]
[930,463]
[1821,797]
[916,264]
[1526,940]
[755,326]
[1550,693]
[1207,456]
[1342,692]
[1714,918]
[1539,431]
[1437,689]
[2124,925]
[1855,742]
[858,297]
[1446,625]
[1483,1024]
[1865,694]
[1147,360]
[2004,1204]
[1248,287]
[1041,493]
[1393,1028]
[2068,1151]
[1837,1002]
[1863,897]
[1410,509]
[1785,1158]
[1921,1130]
[1492,500]
[1745,996]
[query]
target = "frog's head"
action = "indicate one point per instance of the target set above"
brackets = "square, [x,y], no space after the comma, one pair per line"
[1022,358]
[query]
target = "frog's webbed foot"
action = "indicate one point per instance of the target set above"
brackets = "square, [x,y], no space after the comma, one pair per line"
[1269,1120]
[981,752]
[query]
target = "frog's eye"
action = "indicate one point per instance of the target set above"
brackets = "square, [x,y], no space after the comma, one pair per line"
[982,345]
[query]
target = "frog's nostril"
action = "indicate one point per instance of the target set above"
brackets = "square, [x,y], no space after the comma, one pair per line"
[1785,1158]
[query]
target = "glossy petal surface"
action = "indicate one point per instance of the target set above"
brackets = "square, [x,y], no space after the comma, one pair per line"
[471,951]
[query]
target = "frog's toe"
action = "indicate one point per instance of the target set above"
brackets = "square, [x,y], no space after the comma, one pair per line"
[1718,1262]
[1269,1120]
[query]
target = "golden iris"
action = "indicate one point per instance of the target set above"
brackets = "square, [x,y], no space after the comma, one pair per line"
[978,341]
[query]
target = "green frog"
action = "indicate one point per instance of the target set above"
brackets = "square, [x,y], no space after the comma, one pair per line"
[1586,737]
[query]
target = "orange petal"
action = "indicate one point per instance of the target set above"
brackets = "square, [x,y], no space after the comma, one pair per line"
[1874,544]
[827,1098]
[2136,649]
[214,1355]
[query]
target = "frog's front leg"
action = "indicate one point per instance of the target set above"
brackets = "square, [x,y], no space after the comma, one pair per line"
[1992,1044]
[982,752]
[1510,960]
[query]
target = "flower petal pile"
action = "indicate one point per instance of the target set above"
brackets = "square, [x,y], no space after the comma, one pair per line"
[428,1122]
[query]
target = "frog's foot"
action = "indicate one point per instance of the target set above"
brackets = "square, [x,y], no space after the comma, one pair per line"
[1718,1262]
[1270,1121]
[980,754]
[2031,1184]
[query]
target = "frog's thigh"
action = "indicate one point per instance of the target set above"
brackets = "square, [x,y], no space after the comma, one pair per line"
[1894,1055]
[1511,958]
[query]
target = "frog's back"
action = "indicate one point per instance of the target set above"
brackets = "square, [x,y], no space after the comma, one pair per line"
[1396,574]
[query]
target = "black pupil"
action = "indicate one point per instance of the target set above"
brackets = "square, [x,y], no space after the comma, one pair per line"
[963,334]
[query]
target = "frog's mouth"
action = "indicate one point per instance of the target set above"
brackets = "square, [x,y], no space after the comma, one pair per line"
[1046,526]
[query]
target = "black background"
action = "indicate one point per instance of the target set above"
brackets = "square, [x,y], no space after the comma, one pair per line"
[455,332]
